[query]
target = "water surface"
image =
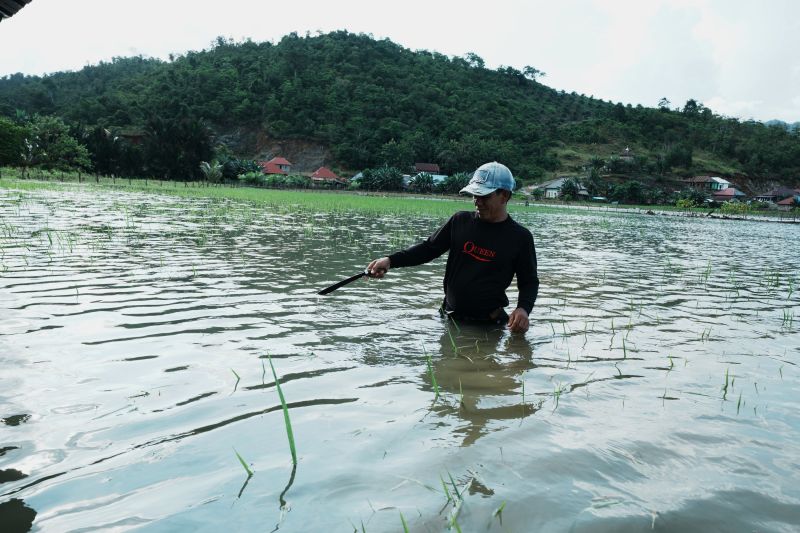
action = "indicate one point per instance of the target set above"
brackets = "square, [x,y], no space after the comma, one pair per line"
[656,390]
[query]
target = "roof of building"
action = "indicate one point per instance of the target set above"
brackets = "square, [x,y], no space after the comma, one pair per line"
[433,168]
[789,201]
[730,192]
[555,184]
[706,179]
[268,167]
[324,173]
[279,161]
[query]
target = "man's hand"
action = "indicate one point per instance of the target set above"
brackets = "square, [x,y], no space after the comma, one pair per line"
[379,267]
[518,320]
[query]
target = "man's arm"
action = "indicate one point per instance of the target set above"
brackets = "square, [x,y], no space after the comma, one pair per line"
[528,285]
[420,253]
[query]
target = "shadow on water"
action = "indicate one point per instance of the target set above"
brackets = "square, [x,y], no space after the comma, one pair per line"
[16,516]
[482,368]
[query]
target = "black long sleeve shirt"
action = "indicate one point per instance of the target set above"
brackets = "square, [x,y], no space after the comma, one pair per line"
[483,258]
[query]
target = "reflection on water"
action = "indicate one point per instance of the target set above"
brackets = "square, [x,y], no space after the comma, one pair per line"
[656,390]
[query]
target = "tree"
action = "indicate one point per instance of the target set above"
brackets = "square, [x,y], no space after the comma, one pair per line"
[454,183]
[50,146]
[663,104]
[12,142]
[422,182]
[569,189]
[381,179]
[211,171]
[532,73]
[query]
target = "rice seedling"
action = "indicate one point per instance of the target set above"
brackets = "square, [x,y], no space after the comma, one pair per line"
[244,464]
[788,318]
[287,422]
[557,390]
[739,403]
[498,513]
[725,386]
[433,377]
[452,340]
[403,521]
[460,394]
[624,349]
[238,379]
[445,489]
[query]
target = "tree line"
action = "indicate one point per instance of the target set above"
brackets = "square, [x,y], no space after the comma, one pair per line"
[371,102]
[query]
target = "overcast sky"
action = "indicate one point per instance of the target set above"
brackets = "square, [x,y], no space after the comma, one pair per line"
[739,57]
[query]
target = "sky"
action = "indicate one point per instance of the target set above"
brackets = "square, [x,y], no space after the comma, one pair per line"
[741,58]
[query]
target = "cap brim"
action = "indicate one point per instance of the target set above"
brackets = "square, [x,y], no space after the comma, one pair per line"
[477,189]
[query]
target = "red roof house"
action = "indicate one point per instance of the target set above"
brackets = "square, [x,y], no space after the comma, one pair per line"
[726,195]
[268,167]
[430,168]
[324,174]
[276,165]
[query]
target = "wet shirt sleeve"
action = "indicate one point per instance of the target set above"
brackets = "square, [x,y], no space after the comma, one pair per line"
[426,251]
[527,275]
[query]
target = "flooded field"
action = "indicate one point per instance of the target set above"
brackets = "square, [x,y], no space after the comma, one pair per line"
[657,390]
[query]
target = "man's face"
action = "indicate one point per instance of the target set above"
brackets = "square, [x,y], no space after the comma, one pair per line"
[492,207]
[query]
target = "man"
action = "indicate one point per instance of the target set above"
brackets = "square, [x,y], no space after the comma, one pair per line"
[486,248]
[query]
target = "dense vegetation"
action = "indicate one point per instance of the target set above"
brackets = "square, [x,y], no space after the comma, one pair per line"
[372,103]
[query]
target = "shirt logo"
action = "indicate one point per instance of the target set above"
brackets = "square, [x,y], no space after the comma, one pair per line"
[476,252]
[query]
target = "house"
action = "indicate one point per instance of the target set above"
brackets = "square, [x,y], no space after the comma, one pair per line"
[430,168]
[268,167]
[776,195]
[788,203]
[552,188]
[276,165]
[709,183]
[727,195]
[326,176]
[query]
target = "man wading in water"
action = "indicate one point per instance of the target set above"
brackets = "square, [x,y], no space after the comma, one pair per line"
[486,248]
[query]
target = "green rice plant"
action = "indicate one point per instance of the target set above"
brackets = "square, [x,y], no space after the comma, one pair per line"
[403,521]
[725,386]
[452,340]
[706,273]
[433,377]
[244,464]
[498,513]
[287,422]
[557,390]
[446,490]
[739,403]
[788,318]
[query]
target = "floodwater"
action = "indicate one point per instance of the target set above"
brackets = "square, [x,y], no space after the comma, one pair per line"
[657,390]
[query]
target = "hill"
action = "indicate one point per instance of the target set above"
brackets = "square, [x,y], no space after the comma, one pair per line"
[356,102]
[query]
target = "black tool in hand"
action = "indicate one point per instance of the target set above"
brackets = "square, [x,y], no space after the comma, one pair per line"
[344,282]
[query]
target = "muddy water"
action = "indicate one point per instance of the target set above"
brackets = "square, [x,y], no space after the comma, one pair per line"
[656,391]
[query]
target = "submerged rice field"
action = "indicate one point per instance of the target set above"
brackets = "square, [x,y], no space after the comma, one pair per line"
[168,366]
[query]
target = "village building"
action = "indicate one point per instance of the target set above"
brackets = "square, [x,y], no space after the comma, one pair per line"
[326,176]
[552,188]
[430,168]
[708,183]
[728,194]
[776,195]
[276,165]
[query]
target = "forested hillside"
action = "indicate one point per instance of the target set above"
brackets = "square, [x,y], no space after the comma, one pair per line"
[372,102]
